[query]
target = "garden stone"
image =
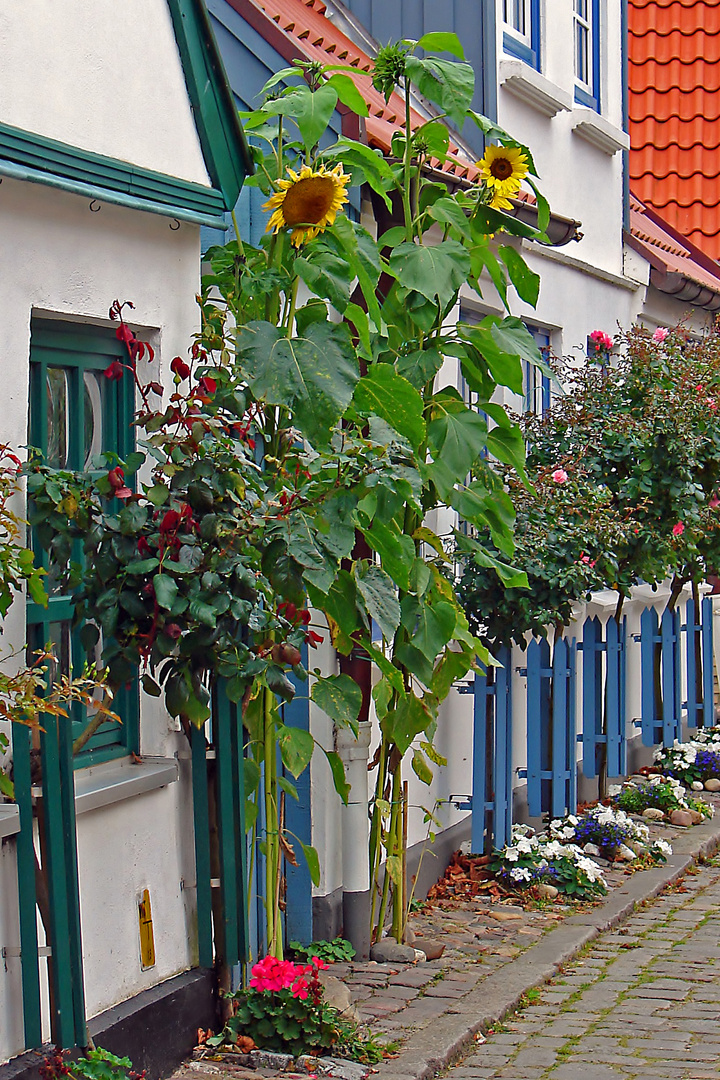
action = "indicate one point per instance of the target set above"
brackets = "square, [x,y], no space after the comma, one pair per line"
[388,951]
[625,854]
[697,785]
[696,816]
[266,1059]
[336,994]
[433,949]
[340,1068]
[713,784]
[682,818]
[653,813]
[547,892]
[420,956]
[591,849]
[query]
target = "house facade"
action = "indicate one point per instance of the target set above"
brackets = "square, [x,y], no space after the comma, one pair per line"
[118,142]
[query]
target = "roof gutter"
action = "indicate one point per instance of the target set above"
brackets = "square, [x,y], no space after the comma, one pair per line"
[683,288]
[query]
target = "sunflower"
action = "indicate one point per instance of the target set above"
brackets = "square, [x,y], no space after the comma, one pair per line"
[503,168]
[308,202]
[499,202]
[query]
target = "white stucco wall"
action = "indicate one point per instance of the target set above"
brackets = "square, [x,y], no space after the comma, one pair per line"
[105,77]
[60,260]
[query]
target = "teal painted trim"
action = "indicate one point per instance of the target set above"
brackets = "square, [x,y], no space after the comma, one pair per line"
[32,1017]
[226,152]
[36,159]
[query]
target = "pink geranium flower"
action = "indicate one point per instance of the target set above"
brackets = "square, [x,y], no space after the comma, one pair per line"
[560,476]
[660,334]
[678,529]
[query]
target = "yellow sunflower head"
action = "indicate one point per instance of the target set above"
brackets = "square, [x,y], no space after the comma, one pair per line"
[503,168]
[308,202]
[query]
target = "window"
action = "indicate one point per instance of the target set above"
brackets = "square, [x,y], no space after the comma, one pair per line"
[76,413]
[521,30]
[586,49]
[536,385]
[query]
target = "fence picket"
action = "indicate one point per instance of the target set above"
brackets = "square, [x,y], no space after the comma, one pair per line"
[707,663]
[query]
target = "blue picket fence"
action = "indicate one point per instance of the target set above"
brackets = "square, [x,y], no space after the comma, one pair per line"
[492,775]
[551,722]
[551,728]
[603,697]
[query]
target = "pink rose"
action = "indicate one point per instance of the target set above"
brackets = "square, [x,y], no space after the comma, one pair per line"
[678,529]
[560,476]
[601,340]
[660,334]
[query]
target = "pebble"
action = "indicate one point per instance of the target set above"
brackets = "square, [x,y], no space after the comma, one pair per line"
[653,813]
[433,949]
[548,892]
[625,854]
[713,784]
[697,785]
[681,818]
[505,916]
[696,816]
[340,1068]
[591,849]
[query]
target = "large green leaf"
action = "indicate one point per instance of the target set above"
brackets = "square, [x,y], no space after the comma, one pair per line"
[396,550]
[438,41]
[378,591]
[310,109]
[314,376]
[445,82]
[409,719]
[313,862]
[296,748]
[326,275]
[419,366]
[348,93]
[166,590]
[508,445]
[340,698]
[386,394]
[436,270]
[371,165]
[337,769]
[434,628]
[525,280]
[457,434]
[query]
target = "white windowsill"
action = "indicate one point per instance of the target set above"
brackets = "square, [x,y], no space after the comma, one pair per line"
[114,781]
[103,785]
[9,820]
[599,132]
[533,88]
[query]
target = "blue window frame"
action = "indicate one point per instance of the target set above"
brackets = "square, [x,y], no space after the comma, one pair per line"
[536,385]
[521,30]
[586,51]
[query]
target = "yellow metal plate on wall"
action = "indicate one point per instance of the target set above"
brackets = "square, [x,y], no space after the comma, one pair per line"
[147,935]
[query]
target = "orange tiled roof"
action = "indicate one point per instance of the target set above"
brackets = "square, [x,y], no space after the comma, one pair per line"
[674,105]
[677,267]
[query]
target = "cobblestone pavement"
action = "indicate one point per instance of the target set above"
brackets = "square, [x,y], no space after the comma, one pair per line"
[641,1003]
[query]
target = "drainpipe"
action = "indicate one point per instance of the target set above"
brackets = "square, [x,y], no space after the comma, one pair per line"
[355,839]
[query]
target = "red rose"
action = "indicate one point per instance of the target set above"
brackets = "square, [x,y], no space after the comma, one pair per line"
[116,477]
[144,548]
[173,630]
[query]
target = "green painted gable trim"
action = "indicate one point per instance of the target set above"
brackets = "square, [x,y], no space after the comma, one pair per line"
[225,150]
[27,156]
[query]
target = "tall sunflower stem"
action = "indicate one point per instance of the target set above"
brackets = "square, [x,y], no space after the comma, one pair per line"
[291,309]
[407,162]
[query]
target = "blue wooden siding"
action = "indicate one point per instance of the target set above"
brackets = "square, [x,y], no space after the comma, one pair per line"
[551,728]
[474,23]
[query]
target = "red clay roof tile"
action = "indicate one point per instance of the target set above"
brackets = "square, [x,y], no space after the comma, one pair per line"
[669,253]
[674,107]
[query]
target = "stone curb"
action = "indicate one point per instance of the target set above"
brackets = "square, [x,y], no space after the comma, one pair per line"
[435,1046]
